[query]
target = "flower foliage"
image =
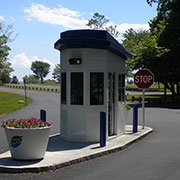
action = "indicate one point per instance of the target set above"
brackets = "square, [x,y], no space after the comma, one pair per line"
[127,107]
[25,123]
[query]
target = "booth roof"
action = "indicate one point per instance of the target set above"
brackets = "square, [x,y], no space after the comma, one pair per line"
[99,39]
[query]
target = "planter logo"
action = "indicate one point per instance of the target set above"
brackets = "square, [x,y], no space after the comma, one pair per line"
[16,141]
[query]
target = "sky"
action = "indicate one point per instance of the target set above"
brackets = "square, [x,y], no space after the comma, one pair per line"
[38,24]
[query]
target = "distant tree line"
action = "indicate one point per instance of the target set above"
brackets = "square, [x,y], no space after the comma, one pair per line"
[41,70]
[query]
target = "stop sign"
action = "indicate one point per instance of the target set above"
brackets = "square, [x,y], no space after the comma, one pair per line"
[144,78]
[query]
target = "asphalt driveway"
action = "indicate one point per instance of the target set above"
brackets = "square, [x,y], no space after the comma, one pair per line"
[41,100]
[156,157]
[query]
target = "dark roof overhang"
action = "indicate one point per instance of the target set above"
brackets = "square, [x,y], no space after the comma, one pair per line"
[98,39]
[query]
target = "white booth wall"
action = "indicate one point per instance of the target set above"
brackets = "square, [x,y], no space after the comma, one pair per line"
[82,122]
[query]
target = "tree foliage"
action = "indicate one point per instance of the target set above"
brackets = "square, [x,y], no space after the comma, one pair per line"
[143,46]
[56,73]
[99,22]
[14,80]
[158,49]
[167,23]
[5,65]
[40,69]
[132,42]
[31,79]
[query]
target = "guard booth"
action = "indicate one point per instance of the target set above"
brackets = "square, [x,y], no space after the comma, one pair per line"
[92,80]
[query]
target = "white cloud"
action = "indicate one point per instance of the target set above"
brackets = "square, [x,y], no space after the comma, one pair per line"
[125,26]
[22,61]
[1,18]
[70,19]
[122,28]
[58,16]
[22,65]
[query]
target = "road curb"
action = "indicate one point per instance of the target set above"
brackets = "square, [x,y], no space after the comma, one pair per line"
[5,169]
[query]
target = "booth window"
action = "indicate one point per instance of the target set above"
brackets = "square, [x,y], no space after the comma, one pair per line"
[121,87]
[63,88]
[77,88]
[96,88]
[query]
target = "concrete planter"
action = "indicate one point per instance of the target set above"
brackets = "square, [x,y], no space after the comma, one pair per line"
[27,143]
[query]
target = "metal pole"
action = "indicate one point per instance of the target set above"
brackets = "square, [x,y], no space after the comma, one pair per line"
[143,107]
[25,88]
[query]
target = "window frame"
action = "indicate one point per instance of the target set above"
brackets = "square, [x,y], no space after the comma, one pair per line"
[121,87]
[98,89]
[63,88]
[77,88]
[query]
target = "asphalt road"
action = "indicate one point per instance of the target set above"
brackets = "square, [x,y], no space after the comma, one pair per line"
[41,100]
[156,157]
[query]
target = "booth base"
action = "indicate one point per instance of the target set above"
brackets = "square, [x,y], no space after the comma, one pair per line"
[61,154]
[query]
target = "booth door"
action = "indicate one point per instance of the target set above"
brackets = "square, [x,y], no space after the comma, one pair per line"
[111,104]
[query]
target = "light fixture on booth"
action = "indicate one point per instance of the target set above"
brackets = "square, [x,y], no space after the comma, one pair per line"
[75,61]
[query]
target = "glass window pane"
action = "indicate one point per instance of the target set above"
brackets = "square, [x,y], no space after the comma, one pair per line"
[77,88]
[96,88]
[63,88]
[121,87]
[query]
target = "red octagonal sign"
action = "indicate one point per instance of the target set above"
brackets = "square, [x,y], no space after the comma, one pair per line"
[144,78]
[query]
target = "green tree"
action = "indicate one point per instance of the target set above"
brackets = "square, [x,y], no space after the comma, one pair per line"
[99,22]
[40,69]
[132,41]
[31,79]
[5,69]
[168,17]
[158,49]
[4,78]
[56,73]
[14,80]
[142,44]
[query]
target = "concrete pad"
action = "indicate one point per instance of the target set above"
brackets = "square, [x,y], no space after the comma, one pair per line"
[61,153]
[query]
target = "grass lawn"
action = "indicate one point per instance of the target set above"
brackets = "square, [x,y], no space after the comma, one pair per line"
[12,102]
[154,87]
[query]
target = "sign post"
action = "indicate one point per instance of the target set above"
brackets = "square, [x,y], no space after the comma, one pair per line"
[24,80]
[143,106]
[143,79]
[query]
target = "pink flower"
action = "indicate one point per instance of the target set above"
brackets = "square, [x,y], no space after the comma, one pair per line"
[25,123]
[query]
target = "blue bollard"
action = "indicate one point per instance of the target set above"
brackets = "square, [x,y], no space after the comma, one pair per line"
[43,115]
[102,129]
[135,118]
